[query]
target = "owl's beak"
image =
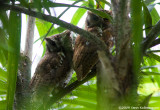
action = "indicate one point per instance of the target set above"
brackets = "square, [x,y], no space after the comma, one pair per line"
[51,45]
[50,42]
[47,39]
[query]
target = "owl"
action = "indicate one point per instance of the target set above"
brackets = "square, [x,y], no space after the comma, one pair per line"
[54,69]
[85,52]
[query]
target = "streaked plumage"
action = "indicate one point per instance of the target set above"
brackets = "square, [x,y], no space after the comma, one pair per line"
[54,69]
[85,52]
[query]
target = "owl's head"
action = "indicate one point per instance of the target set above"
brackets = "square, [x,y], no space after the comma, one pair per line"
[94,20]
[59,42]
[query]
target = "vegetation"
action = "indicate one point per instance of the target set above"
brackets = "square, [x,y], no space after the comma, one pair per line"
[130,81]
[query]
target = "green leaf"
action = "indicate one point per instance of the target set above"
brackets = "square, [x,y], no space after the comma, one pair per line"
[78,15]
[149,1]
[107,3]
[46,6]
[37,4]
[146,101]
[44,48]
[155,16]
[3,58]
[84,103]
[3,104]
[42,26]
[155,105]
[77,1]
[52,32]
[91,3]
[72,108]
[57,30]
[85,95]
[101,14]
[3,86]
[13,56]
[102,4]
[3,47]
[4,19]
[24,3]
[88,88]
[154,56]
[3,93]
[150,51]
[155,98]
[150,73]
[152,60]
[149,67]
[148,79]
[150,7]
[3,75]
[147,18]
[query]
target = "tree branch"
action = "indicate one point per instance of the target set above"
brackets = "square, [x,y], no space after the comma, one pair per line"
[122,23]
[121,29]
[106,81]
[55,20]
[68,89]
[154,32]
[23,79]
[155,42]
[114,4]
[29,37]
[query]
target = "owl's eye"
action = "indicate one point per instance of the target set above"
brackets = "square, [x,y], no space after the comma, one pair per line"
[95,17]
[105,19]
[88,23]
[51,45]
[50,42]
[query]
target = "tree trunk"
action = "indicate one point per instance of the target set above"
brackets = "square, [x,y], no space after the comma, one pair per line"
[108,89]
[22,96]
[116,80]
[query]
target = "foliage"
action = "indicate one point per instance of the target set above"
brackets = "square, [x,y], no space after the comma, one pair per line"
[84,97]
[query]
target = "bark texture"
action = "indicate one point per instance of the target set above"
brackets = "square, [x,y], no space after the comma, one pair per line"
[115,77]
[22,95]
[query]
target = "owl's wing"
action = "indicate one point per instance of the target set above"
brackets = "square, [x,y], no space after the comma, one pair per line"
[85,57]
[46,66]
[85,54]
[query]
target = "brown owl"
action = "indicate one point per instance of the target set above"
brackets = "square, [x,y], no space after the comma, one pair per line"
[54,69]
[85,52]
